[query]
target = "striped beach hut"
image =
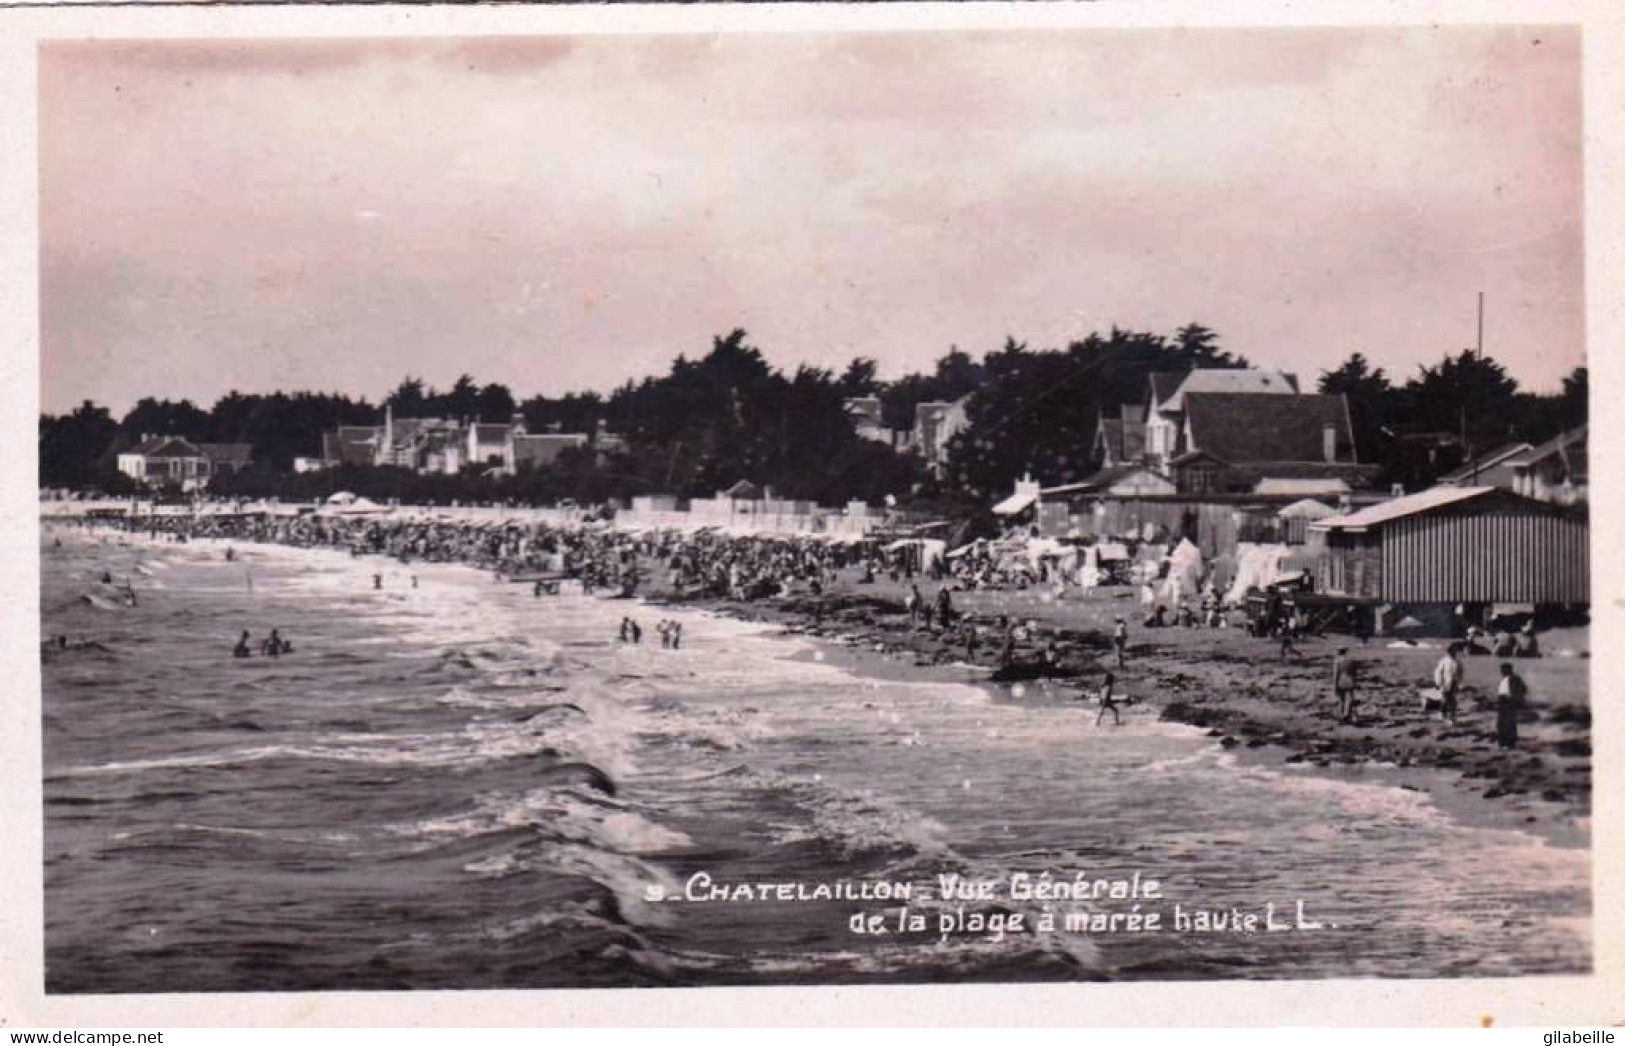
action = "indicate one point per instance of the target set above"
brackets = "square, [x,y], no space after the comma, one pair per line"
[1457,545]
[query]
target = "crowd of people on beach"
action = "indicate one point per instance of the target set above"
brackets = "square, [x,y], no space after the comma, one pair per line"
[715,564]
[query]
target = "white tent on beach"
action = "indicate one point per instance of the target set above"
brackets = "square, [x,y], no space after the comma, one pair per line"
[1184,572]
[929,550]
[1256,567]
[345,503]
[1307,508]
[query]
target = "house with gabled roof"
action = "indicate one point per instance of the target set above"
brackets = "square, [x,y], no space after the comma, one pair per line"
[936,422]
[1493,469]
[1166,402]
[1557,471]
[227,457]
[534,450]
[1226,431]
[176,461]
[352,445]
[1120,441]
[1231,442]
[491,443]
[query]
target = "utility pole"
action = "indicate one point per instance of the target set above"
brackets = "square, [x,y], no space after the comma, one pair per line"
[1480,352]
[1478,356]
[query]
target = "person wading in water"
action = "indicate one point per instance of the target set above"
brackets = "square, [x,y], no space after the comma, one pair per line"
[1343,684]
[1107,702]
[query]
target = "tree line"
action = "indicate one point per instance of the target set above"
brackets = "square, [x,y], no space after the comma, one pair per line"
[730,414]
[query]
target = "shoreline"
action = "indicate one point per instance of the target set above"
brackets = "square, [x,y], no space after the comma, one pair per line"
[1457,767]
[1265,712]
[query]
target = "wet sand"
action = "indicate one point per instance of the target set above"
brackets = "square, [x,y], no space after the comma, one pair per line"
[1240,690]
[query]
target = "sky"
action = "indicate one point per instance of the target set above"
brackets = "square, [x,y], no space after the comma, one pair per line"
[560,213]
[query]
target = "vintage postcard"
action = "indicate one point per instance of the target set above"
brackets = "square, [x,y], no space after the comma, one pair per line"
[1095,508]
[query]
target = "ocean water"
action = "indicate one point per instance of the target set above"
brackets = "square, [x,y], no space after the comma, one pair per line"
[459,785]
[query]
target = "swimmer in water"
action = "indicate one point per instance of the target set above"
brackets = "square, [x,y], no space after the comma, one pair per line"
[414,581]
[231,554]
[377,582]
[242,649]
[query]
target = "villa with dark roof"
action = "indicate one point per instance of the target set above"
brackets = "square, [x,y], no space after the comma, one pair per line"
[1232,442]
[1229,432]
[175,461]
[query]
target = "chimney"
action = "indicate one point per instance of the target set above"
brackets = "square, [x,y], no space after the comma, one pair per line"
[1329,441]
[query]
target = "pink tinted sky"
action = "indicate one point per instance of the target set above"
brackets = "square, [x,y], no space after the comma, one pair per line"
[558,213]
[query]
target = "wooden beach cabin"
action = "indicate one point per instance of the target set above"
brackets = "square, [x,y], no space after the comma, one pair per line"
[1471,546]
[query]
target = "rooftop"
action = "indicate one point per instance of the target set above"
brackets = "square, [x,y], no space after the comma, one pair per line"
[1560,445]
[1408,505]
[1248,427]
[1213,379]
[1509,454]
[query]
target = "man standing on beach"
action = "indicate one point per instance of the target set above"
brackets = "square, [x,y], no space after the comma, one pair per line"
[1120,640]
[1447,677]
[1343,684]
[1509,699]
[1287,648]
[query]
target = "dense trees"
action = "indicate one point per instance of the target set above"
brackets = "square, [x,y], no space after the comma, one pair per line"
[1037,411]
[956,374]
[74,449]
[1373,403]
[729,414]
[1462,406]
[465,399]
